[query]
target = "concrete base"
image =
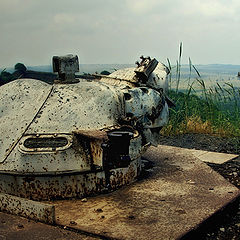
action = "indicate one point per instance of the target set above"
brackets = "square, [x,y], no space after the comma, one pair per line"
[213,157]
[179,193]
[27,208]
[19,228]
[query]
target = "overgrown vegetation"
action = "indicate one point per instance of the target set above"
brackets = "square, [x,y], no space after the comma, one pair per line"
[199,109]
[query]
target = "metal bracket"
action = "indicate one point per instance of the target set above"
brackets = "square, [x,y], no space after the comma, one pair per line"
[66,66]
[145,68]
[116,150]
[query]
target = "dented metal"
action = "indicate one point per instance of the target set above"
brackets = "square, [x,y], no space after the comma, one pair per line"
[79,137]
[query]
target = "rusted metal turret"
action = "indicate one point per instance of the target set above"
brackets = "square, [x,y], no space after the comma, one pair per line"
[79,137]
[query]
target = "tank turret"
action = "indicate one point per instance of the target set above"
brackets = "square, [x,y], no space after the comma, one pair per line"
[79,136]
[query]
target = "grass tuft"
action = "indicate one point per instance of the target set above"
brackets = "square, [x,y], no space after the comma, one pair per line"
[214,110]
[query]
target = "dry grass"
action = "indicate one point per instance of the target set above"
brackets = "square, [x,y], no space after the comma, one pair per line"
[214,110]
[193,124]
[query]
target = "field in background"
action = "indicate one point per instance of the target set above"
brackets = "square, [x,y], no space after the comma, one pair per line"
[207,100]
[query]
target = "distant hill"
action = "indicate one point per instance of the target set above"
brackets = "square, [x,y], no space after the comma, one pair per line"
[207,70]
[47,77]
[215,68]
[84,68]
[92,68]
[44,68]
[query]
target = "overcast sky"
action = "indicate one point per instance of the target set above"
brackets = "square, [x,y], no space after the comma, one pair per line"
[119,31]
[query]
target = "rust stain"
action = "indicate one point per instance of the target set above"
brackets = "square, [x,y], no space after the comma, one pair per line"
[92,134]
[72,185]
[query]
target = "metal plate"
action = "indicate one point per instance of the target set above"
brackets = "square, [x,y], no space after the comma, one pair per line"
[180,193]
[20,101]
[81,106]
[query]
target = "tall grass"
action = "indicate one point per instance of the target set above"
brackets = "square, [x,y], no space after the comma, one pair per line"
[199,109]
[178,72]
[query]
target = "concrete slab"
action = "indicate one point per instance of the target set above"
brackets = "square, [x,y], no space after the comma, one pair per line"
[213,157]
[179,193]
[197,153]
[19,228]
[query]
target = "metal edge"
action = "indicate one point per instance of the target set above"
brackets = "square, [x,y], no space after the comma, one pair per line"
[35,210]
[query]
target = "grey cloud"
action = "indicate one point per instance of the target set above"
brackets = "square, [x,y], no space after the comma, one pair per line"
[117,31]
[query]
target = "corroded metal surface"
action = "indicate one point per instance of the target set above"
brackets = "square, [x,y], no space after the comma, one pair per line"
[30,209]
[46,186]
[178,194]
[126,76]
